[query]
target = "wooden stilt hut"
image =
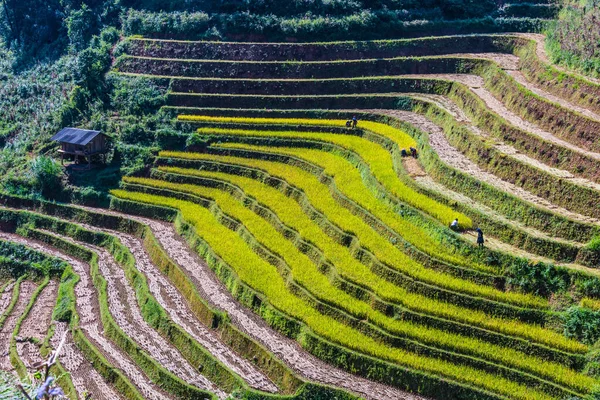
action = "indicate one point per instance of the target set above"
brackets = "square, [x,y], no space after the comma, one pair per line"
[82,143]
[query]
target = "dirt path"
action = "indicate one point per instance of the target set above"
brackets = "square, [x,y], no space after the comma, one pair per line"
[90,323]
[303,363]
[500,109]
[510,63]
[25,291]
[84,377]
[416,171]
[476,84]
[454,158]
[428,182]
[175,305]
[499,245]
[36,325]
[6,296]
[504,60]
[124,308]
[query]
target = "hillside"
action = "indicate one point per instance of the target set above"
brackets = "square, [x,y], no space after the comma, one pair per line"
[293,201]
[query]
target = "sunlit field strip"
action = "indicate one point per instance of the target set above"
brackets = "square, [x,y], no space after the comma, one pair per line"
[264,278]
[379,160]
[399,137]
[349,181]
[406,265]
[319,195]
[292,215]
[320,198]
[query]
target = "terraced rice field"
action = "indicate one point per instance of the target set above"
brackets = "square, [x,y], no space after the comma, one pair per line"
[284,254]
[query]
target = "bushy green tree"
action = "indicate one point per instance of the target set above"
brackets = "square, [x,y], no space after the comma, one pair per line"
[81,25]
[136,96]
[30,24]
[47,176]
[538,278]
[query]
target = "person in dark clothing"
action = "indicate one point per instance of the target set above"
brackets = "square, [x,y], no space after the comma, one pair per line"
[349,123]
[480,239]
[413,152]
[403,153]
[354,121]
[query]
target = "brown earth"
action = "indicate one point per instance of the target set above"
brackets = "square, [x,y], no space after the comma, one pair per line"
[175,305]
[6,296]
[85,378]
[124,308]
[90,323]
[25,292]
[36,324]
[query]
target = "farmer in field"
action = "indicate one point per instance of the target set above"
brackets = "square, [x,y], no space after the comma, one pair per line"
[354,121]
[480,239]
[349,123]
[413,152]
[454,225]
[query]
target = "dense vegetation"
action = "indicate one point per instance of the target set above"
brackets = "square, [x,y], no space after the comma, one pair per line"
[574,39]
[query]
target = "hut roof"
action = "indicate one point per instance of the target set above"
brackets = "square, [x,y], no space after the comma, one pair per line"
[76,136]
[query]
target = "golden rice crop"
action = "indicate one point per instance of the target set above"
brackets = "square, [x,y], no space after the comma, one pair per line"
[265,279]
[320,197]
[349,181]
[387,253]
[380,163]
[308,275]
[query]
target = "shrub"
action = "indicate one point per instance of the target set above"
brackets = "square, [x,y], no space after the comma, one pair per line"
[136,134]
[594,244]
[538,278]
[48,176]
[572,37]
[168,138]
[27,25]
[133,158]
[191,25]
[88,196]
[592,367]
[136,95]
[196,142]
[81,24]
[582,324]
